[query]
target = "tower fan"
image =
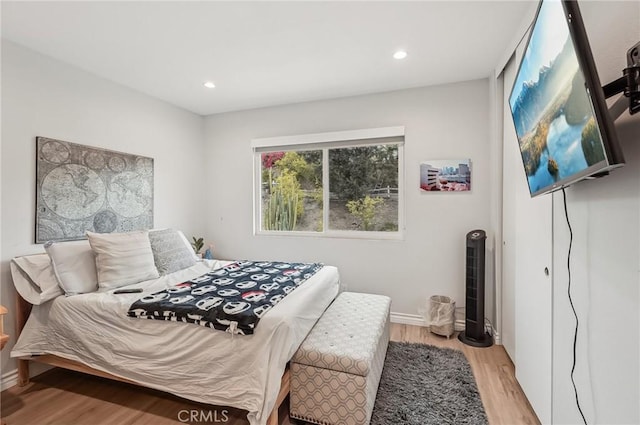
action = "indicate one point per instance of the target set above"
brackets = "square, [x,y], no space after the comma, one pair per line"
[474,333]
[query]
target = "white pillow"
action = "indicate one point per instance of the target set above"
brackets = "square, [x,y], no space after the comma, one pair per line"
[122,258]
[34,279]
[74,265]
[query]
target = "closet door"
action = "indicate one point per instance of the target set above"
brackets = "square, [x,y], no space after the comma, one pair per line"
[527,270]
[511,169]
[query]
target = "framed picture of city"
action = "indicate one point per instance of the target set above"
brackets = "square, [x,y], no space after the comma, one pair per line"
[445,175]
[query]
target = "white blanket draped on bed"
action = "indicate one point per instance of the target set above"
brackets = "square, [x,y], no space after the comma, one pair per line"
[193,362]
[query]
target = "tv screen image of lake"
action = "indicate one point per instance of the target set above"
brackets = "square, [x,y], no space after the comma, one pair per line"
[564,148]
[553,115]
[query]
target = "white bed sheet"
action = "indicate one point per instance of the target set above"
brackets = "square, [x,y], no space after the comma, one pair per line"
[193,362]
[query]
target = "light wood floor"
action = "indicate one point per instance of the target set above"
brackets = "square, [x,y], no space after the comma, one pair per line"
[69,398]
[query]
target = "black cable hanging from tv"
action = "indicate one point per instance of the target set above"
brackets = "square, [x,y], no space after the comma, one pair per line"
[629,83]
[575,333]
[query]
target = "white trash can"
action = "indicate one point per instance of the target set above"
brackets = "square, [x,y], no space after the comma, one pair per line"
[442,315]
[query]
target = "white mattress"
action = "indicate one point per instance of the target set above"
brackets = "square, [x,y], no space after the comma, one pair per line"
[193,362]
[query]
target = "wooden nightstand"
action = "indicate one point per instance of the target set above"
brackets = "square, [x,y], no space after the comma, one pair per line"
[3,338]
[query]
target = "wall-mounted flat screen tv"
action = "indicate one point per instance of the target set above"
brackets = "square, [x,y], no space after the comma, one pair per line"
[558,107]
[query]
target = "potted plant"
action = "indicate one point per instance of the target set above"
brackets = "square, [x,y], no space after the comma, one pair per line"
[197,245]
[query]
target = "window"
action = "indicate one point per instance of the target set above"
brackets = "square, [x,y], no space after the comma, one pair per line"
[331,184]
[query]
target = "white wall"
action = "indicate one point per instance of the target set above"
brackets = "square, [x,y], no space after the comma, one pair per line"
[450,121]
[44,97]
[605,216]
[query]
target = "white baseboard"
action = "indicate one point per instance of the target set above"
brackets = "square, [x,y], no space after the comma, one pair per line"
[408,319]
[9,380]
[418,320]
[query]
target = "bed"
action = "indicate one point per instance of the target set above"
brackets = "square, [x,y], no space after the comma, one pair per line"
[92,333]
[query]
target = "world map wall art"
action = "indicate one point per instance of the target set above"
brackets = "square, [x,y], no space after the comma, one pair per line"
[80,188]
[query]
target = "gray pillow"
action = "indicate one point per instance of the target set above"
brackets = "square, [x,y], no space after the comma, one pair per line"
[170,253]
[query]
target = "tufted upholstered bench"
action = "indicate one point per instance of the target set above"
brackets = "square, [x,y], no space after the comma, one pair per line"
[336,371]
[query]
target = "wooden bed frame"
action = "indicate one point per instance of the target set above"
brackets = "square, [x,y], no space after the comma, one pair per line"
[23,309]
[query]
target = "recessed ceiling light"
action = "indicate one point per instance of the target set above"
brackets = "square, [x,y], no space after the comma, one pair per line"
[209,85]
[400,54]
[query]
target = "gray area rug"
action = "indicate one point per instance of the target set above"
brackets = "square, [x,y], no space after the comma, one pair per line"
[422,384]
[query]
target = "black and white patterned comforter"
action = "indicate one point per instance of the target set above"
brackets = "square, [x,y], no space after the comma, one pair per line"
[232,298]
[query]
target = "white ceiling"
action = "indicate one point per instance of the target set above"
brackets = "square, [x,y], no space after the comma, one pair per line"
[268,53]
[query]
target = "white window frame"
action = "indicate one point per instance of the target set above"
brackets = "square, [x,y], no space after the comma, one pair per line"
[324,142]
